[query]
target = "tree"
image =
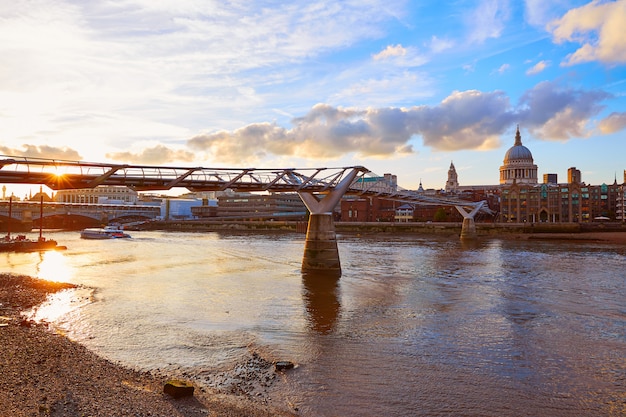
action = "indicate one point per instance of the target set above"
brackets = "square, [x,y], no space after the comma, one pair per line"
[440,215]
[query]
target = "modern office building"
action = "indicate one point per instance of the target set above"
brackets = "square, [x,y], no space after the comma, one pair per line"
[247,206]
[574,176]
[550,179]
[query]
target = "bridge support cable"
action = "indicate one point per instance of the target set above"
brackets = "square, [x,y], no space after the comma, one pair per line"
[99,180]
[320,247]
[180,179]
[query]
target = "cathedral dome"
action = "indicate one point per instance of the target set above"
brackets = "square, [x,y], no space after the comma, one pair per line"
[518,164]
[518,152]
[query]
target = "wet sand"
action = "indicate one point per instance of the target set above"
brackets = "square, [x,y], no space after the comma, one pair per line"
[44,373]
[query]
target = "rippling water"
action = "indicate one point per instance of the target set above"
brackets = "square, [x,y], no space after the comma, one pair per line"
[417,325]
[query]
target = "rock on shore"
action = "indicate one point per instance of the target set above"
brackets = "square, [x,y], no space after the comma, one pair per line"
[43,373]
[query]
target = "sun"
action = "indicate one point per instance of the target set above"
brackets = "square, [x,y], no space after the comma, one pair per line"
[56,180]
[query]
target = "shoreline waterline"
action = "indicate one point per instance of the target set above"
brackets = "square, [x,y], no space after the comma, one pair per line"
[44,371]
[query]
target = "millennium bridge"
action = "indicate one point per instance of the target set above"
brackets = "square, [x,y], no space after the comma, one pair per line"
[319,188]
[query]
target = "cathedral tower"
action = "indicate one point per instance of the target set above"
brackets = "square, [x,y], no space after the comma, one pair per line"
[452,184]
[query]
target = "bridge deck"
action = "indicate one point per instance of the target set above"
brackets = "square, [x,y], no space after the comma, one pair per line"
[60,174]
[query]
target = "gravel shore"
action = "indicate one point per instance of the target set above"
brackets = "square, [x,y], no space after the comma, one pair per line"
[43,373]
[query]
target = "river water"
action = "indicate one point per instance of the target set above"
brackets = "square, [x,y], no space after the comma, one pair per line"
[416,325]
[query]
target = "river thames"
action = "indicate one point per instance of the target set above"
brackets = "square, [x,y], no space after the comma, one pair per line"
[416,325]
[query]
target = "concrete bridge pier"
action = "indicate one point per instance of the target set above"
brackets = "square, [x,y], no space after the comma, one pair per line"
[320,248]
[468,230]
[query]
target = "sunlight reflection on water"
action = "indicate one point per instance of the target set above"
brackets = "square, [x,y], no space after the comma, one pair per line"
[60,304]
[54,266]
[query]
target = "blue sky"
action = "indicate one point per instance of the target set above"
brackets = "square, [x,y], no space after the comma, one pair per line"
[397,86]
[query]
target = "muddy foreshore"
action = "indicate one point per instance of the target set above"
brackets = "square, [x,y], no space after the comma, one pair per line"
[43,373]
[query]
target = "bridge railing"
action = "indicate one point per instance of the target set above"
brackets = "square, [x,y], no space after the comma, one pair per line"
[61,174]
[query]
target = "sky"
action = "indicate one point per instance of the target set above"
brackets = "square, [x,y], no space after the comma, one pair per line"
[398,86]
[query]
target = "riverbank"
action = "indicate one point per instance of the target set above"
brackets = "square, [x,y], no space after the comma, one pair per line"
[587,232]
[44,373]
[440,228]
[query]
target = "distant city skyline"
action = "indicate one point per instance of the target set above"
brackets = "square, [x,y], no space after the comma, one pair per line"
[396,86]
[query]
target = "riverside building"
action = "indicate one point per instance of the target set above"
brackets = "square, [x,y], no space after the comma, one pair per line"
[103,194]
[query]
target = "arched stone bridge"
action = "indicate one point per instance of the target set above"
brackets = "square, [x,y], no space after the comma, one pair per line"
[99,213]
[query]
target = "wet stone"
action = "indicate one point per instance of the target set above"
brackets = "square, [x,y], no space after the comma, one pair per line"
[283,365]
[178,389]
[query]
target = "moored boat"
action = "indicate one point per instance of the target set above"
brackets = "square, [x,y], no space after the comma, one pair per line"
[107,232]
[22,244]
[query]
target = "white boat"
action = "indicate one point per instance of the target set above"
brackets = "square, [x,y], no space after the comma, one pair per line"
[107,232]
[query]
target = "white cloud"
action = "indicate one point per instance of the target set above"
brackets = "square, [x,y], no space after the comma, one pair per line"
[469,67]
[536,11]
[156,155]
[391,86]
[325,132]
[615,122]
[538,67]
[43,151]
[503,68]
[399,56]
[599,29]
[488,20]
[539,12]
[464,120]
[438,45]
[139,70]
[552,112]
[390,51]
[138,78]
